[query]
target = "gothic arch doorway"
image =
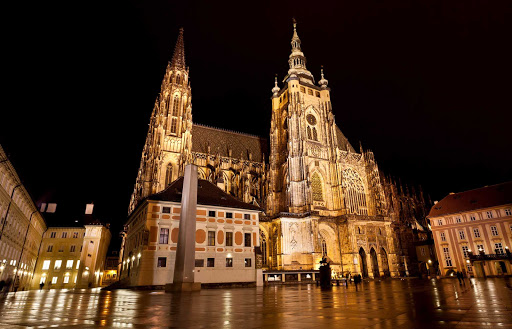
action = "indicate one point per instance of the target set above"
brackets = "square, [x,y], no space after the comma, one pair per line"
[362,263]
[385,262]
[375,263]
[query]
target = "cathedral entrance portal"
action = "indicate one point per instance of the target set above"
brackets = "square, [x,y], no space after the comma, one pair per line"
[362,263]
[385,262]
[375,263]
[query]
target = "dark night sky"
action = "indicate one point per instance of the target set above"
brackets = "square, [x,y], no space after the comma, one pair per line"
[424,84]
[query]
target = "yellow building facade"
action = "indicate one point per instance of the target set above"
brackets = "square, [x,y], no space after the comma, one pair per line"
[226,237]
[72,257]
[21,228]
[472,231]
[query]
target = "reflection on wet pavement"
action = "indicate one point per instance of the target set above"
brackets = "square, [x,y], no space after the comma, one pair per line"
[377,304]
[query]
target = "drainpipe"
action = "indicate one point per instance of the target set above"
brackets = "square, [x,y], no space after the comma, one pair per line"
[24,240]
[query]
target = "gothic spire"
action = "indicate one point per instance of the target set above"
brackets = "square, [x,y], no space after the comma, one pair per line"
[276,88]
[323,82]
[297,59]
[178,59]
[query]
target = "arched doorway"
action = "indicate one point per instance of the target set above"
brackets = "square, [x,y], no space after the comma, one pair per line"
[375,263]
[385,262]
[362,263]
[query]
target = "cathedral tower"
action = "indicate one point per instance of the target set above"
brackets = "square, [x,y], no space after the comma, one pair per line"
[304,140]
[168,144]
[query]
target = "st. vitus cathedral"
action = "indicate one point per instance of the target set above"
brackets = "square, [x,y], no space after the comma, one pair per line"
[320,197]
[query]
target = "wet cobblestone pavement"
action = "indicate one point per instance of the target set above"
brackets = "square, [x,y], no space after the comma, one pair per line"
[377,304]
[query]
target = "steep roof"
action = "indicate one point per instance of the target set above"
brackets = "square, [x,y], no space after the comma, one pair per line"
[343,143]
[221,141]
[484,197]
[208,194]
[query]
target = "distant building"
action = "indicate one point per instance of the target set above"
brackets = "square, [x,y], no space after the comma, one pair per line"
[21,228]
[227,236]
[111,268]
[473,231]
[72,257]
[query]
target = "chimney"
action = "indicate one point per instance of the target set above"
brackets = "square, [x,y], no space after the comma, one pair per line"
[88,208]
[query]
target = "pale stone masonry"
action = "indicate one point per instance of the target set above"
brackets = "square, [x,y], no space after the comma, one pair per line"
[21,228]
[320,197]
[473,231]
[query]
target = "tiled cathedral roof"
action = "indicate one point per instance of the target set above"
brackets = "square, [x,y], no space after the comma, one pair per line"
[221,141]
[480,198]
[208,194]
[343,142]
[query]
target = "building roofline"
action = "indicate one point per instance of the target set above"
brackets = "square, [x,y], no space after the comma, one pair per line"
[227,130]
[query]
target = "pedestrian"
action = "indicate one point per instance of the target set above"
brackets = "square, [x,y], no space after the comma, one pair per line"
[41,285]
[2,285]
[459,277]
[8,283]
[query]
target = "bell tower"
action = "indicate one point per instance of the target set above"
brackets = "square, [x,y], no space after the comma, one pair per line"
[168,146]
[303,142]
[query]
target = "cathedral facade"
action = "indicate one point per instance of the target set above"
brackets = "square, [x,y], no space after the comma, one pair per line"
[320,198]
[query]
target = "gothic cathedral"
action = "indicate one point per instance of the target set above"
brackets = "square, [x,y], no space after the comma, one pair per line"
[319,196]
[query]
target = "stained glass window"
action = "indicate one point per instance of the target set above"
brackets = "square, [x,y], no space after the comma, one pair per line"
[316,186]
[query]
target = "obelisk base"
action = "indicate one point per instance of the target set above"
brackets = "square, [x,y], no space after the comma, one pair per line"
[183,286]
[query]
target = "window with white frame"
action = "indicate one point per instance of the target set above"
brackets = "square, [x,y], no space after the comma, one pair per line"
[480,248]
[494,231]
[54,280]
[470,268]
[462,235]
[498,248]
[66,279]
[476,232]
[46,264]
[465,251]
[489,214]
[458,220]
[443,236]
[439,222]
[77,264]
[58,264]
[164,236]
[508,212]
[447,257]
[69,264]
[472,218]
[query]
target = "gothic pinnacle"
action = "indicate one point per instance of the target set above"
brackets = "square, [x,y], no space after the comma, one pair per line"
[178,58]
[323,82]
[276,88]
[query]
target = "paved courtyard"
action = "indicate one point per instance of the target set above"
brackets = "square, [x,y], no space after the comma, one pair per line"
[377,304]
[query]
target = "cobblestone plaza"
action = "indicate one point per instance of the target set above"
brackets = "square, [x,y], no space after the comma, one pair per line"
[376,304]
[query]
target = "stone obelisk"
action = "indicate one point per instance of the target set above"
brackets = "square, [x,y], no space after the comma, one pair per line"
[186,249]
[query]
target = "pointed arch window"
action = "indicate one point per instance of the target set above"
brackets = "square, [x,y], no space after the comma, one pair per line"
[263,249]
[174,114]
[324,248]
[311,128]
[316,187]
[175,106]
[353,192]
[178,79]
